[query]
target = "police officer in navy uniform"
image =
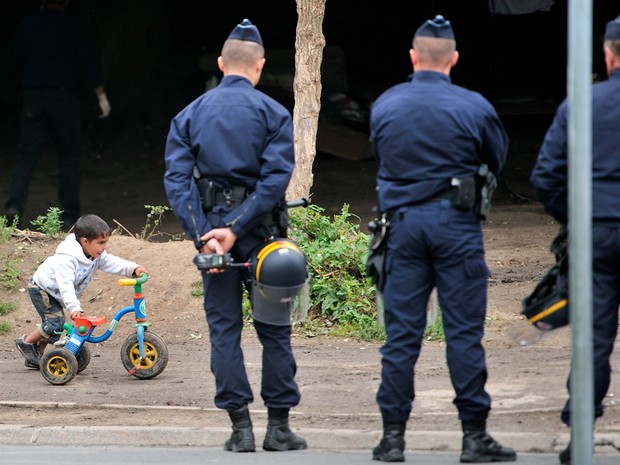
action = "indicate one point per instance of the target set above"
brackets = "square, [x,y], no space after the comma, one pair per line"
[550,183]
[56,56]
[238,142]
[430,138]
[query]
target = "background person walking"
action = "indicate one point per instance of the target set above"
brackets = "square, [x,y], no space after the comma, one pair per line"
[56,56]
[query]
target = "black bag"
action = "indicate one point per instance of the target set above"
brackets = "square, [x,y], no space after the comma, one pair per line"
[547,306]
[375,263]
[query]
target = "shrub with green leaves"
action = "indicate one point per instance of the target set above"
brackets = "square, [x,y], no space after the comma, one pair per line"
[341,295]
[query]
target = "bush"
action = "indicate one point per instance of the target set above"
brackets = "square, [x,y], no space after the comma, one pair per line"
[342,298]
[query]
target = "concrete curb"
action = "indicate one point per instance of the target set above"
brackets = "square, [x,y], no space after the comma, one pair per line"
[318,438]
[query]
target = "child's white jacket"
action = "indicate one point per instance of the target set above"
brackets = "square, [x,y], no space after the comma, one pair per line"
[66,274]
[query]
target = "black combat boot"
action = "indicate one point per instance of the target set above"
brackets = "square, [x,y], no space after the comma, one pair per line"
[279,436]
[565,455]
[392,445]
[242,437]
[480,447]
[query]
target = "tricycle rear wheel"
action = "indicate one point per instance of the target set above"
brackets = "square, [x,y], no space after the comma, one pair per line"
[155,355]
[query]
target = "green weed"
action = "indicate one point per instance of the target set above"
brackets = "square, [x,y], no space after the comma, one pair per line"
[7,230]
[49,224]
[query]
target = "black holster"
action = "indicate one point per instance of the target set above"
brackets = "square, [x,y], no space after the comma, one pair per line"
[377,249]
[275,223]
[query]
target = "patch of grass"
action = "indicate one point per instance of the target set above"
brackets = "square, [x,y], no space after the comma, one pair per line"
[5,327]
[7,307]
[9,273]
[196,289]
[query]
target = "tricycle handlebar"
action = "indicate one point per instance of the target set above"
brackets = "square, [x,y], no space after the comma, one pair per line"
[134,281]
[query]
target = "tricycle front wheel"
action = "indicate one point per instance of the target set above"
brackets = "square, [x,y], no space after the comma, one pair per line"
[58,366]
[155,355]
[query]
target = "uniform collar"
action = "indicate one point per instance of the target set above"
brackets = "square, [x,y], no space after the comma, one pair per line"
[429,76]
[234,79]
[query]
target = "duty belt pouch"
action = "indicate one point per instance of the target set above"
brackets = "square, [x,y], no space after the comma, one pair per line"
[465,197]
[205,189]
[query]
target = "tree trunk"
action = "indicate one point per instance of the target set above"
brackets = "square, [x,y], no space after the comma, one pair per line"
[309,46]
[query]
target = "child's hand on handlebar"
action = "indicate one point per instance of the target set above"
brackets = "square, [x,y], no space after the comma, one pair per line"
[139,270]
[76,313]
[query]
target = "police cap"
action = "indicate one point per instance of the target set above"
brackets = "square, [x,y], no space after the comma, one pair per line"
[246,31]
[438,27]
[612,31]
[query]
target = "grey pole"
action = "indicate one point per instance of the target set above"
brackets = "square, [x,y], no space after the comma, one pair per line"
[580,227]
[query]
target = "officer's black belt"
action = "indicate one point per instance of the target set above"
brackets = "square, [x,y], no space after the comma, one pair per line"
[446,194]
[232,197]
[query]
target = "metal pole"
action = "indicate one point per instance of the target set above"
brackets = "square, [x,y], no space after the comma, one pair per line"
[580,227]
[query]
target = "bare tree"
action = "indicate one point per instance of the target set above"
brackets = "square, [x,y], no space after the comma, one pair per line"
[309,46]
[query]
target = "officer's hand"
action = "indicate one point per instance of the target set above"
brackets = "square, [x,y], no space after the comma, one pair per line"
[219,240]
[104,105]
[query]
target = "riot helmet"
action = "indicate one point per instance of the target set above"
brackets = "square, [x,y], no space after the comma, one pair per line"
[280,283]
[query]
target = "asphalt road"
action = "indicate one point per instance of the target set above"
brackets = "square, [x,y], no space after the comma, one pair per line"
[134,455]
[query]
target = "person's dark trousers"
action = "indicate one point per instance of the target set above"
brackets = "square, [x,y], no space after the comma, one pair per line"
[222,300]
[49,113]
[606,297]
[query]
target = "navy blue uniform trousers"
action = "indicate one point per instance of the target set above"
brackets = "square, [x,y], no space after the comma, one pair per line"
[429,245]
[606,298]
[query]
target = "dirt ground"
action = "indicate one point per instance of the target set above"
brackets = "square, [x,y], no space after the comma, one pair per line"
[338,377]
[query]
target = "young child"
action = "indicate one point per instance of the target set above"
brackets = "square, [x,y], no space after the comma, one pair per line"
[61,279]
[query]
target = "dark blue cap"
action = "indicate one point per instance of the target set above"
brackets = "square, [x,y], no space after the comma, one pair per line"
[612,31]
[438,27]
[246,31]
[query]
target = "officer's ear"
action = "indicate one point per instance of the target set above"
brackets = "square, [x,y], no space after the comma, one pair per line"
[455,58]
[413,56]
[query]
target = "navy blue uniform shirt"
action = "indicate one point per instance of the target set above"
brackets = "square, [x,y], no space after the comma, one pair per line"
[235,135]
[428,130]
[55,50]
[549,176]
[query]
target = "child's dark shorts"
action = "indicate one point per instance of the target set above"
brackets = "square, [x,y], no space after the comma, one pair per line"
[50,311]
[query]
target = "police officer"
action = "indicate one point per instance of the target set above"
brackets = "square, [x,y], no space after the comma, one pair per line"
[430,138]
[549,179]
[233,147]
[56,56]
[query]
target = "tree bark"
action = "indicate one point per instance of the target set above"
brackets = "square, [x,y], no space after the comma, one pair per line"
[309,46]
